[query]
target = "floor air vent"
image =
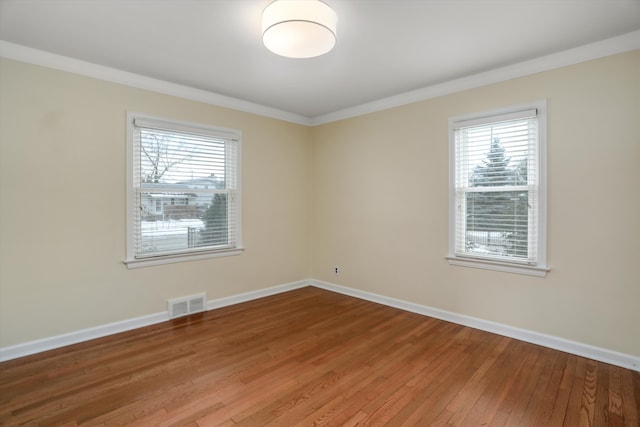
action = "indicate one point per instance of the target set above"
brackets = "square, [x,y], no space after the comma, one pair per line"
[186,305]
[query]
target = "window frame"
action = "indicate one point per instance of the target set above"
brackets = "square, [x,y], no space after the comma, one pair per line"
[539,267]
[132,260]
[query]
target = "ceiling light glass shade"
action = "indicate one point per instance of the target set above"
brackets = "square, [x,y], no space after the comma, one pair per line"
[299,28]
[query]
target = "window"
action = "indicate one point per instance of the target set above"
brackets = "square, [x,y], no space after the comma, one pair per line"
[183,191]
[498,190]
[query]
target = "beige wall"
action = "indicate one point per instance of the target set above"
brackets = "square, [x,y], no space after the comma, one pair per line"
[369,194]
[62,201]
[381,206]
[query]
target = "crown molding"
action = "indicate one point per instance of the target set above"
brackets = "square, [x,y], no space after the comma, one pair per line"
[612,46]
[623,43]
[64,63]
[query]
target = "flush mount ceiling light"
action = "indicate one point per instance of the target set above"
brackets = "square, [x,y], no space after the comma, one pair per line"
[299,28]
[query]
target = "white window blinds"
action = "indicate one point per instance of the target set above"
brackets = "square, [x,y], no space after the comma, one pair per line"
[497,168]
[184,192]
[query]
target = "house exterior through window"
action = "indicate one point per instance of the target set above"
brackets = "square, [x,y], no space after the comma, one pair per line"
[183,191]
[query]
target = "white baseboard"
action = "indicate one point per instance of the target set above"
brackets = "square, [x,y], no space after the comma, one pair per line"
[50,343]
[585,350]
[248,296]
[580,349]
[37,346]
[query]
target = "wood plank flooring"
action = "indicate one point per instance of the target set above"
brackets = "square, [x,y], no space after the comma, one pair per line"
[313,357]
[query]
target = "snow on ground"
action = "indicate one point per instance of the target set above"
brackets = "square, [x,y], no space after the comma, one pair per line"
[167,235]
[169,227]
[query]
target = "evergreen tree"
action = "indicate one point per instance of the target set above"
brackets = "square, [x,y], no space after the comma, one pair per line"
[216,222]
[518,234]
[494,170]
[502,213]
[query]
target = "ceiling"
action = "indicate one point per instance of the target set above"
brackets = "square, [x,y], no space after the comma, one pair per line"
[384,48]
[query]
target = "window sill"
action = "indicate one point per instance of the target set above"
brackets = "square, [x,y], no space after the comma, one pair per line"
[170,259]
[529,270]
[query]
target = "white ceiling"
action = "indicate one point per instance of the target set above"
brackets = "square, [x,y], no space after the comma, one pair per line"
[384,48]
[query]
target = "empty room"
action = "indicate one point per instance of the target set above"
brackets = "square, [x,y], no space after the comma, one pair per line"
[305,212]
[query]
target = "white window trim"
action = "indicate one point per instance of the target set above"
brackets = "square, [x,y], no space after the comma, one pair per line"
[539,269]
[131,261]
[170,259]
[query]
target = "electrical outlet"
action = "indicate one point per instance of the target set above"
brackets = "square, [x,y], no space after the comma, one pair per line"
[336,270]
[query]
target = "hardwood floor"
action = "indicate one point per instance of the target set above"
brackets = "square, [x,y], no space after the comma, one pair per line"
[313,357]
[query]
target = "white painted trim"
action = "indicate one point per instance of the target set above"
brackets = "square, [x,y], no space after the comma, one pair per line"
[600,49]
[174,258]
[165,123]
[248,296]
[37,346]
[71,65]
[539,109]
[585,350]
[601,354]
[612,46]
[514,268]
